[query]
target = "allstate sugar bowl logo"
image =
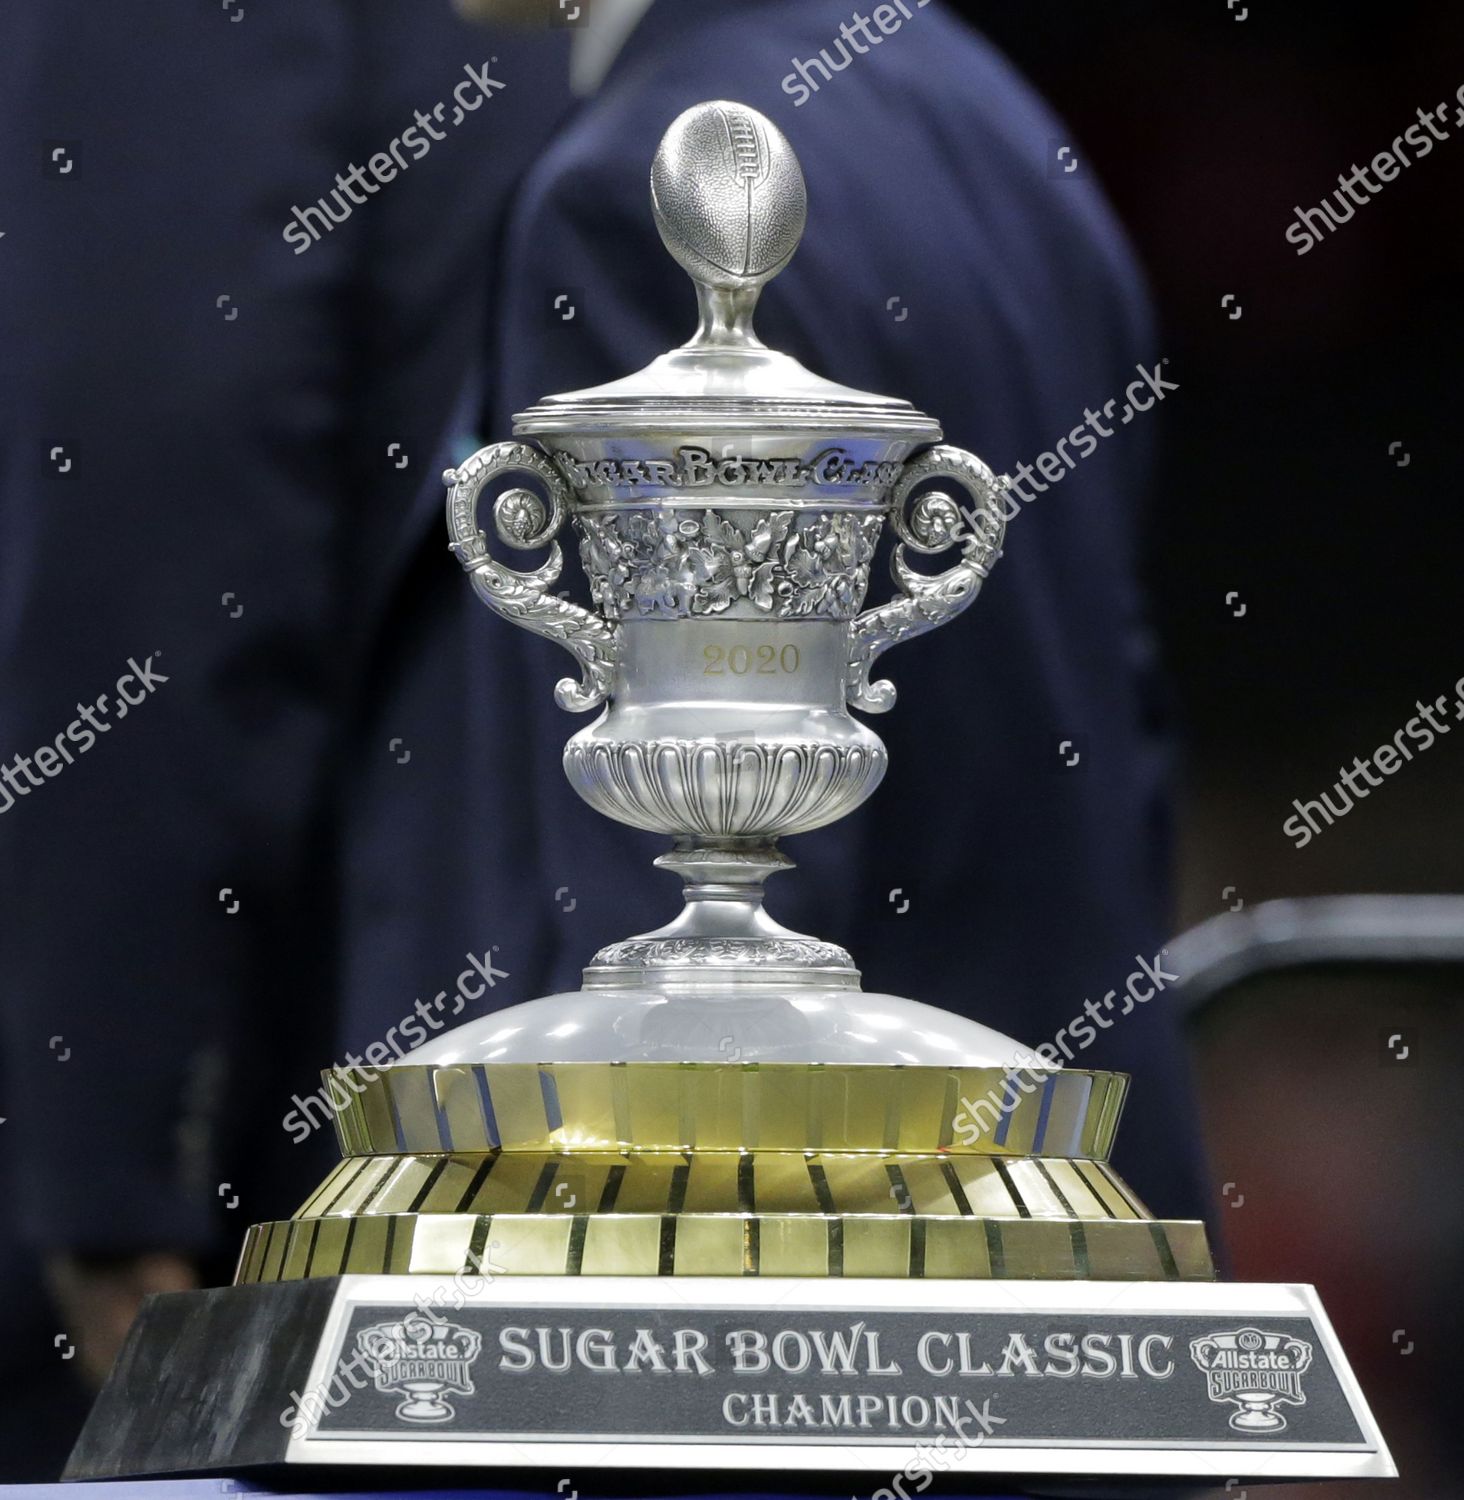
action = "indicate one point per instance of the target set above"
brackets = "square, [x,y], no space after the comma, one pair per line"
[1257,1371]
[422,1360]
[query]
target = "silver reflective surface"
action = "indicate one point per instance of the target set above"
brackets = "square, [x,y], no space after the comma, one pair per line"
[759,1023]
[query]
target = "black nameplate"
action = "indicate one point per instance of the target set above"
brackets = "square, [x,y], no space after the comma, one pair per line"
[948,1380]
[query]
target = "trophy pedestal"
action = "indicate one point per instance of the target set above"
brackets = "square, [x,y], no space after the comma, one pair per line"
[741,1268]
[1065,1382]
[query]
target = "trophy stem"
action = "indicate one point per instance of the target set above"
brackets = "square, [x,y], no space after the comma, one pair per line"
[726,318]
[723,935]
[722,869]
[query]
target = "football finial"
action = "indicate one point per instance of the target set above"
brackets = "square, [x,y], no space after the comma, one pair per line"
[730,204]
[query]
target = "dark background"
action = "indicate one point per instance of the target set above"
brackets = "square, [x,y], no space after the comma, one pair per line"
[1277,480]
[1277,483]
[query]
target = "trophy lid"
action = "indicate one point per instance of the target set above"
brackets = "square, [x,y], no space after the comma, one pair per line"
[730,204]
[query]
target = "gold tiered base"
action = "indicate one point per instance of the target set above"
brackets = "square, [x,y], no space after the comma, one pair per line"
[735,1169]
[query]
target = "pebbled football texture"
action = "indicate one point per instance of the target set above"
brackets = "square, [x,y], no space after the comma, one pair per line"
[729,196]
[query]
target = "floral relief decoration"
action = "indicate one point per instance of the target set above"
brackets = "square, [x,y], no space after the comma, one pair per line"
[678,562]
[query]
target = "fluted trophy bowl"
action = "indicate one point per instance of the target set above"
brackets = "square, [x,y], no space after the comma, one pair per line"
[728,506]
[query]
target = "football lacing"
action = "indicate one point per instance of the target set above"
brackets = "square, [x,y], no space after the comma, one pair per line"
[746,157]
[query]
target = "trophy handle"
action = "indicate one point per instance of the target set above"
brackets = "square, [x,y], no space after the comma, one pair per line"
[522,521]
[926,600]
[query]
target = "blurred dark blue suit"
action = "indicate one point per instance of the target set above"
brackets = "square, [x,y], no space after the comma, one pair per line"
[946,263]
[224,496]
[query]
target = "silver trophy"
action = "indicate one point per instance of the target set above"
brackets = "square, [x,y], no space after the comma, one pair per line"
[728,505]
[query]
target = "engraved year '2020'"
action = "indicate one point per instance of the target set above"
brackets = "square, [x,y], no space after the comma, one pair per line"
[761,661]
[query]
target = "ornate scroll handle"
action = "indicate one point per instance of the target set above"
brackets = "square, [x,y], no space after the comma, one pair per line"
[526,599]
[935,523]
